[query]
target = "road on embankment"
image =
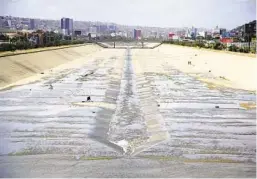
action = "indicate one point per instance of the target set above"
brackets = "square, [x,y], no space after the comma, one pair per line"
[147,117]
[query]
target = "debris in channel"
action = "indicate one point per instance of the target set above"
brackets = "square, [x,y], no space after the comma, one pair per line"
[123,144]
[51,87]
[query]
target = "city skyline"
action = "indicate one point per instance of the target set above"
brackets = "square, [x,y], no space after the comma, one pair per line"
[162,14]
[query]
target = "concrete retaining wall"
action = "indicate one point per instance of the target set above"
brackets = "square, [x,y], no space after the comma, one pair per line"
[15,68]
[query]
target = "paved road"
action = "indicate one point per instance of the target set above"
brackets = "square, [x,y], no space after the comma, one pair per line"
[138,124]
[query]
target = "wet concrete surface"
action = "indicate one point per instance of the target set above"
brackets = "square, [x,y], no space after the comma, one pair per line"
[163,124]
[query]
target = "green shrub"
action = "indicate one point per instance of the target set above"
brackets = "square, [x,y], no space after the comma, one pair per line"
[233,48]
[241,50]
[253,50]
[246,50]
[218,46]
[200,44]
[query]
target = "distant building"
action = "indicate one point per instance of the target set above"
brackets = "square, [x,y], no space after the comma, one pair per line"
[1,21]
[193,33]
[137,34]
[181,33]
[103,28]
[152,34]
[32,24]
[7,24]
[93,29]
[216,32]
[171,34]
[77,32]
[67,26]
[112,28]
[201,34]
[223,33]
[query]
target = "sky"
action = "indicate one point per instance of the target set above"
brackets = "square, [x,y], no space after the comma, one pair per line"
[154,13]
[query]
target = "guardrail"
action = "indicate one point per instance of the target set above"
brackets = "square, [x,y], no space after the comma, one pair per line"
[124,47]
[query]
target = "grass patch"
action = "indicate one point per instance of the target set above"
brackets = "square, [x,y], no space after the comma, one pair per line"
[187,160]
[21,153]
[210,160]
[210,85]
[154,157]
[97,158]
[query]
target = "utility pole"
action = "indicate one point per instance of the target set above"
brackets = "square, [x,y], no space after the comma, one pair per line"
[249,42]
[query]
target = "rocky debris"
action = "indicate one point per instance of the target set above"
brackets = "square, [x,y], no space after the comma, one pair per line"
[189,63]
[88,98]
[42,73]
[217,107]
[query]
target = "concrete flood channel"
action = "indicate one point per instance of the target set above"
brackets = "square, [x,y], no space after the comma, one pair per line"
[137,125]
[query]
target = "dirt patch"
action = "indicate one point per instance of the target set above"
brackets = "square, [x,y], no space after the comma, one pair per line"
[248,106]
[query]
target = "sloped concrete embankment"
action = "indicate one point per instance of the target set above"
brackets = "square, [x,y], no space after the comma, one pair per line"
[18,67]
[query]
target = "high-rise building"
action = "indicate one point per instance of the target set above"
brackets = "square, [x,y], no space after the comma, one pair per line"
[137,34]
[67,26]
[1,21]
[32,24]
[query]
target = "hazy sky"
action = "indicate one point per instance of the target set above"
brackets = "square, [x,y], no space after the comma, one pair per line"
[158,13]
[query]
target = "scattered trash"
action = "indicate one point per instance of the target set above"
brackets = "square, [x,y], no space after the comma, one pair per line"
[189,63]
[222,77]
[88,98]
[88,74]
[77,157]
[51,87]
[217,107]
